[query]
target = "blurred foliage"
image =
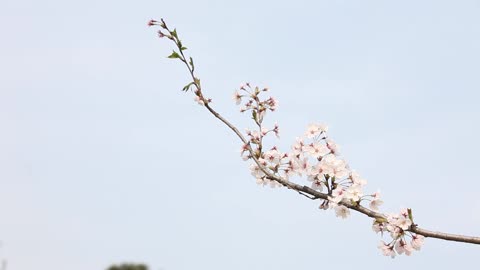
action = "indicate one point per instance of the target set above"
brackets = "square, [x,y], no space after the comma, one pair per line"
[128,266]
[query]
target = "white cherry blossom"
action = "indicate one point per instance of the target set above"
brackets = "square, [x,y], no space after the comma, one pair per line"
[332,146]
[297,147]
[273,156]
[199,100]
[314,130]
[302,166]
[256,171]
[342,211]
[337,195]
[317,185]
[403,247]
[377,226]
[387,250]
[375,204]
[417,241]
[316,150]
[356,179]
[237,97]
[353,193]
[403,222]
[376,201]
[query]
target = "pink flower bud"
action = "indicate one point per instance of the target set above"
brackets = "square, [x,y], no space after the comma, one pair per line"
[152,23]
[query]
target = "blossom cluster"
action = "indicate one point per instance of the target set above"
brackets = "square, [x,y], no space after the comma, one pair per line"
[316,157]
[397,226]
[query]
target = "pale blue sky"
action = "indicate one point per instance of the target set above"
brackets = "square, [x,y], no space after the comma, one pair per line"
[104,160]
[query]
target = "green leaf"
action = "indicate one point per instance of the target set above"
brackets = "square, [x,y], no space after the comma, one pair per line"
[187,87]
[174,55]
[191,64]
[183,48]
[380,220]
[410,215]
[254,115]
[174,33]
[197,81]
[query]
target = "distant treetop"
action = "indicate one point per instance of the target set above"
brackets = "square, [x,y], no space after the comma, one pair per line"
[128,266]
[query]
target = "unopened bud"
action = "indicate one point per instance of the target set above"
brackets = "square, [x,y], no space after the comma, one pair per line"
[163,24]
[152,23]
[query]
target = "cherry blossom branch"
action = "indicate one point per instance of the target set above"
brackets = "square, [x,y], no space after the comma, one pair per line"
[446,236]
[376,215]
[344,187]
